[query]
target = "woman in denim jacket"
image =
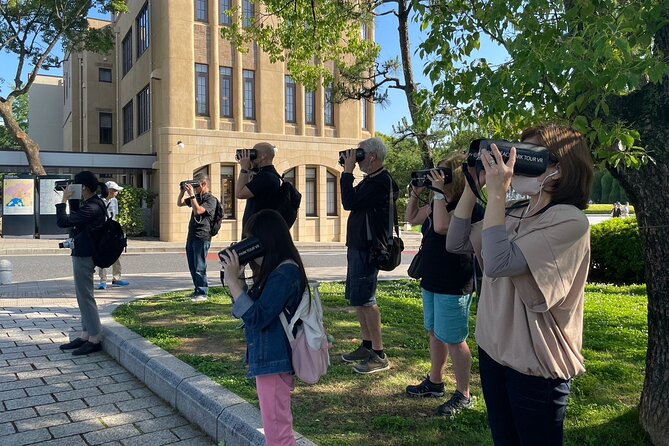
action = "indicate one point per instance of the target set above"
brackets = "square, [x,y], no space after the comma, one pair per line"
[279,281]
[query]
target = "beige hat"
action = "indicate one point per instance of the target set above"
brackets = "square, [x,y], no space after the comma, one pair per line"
[113,185]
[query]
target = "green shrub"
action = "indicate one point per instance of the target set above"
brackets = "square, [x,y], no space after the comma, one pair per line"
[617,256]
[130,212]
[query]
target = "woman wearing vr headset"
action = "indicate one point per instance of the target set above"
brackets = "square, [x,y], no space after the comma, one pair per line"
[446,285]
[535,257]
[89,212]
[279,280]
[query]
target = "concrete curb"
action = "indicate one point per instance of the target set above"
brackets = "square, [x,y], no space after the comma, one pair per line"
[224,416]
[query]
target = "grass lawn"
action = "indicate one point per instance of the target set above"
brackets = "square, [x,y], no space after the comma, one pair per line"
[350,409]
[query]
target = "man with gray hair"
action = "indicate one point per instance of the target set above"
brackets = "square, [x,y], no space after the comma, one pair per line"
[369,206]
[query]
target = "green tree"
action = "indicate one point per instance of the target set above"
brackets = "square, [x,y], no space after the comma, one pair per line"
[20,110]
[600,66]
[403,158]
[31,30]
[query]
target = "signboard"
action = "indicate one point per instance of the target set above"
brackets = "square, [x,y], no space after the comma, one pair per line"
[48,196]
[18,196]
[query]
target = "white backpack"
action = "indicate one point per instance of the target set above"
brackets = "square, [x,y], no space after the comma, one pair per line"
[310,355]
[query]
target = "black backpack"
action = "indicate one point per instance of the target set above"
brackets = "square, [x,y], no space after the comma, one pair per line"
[217,218]
[109,241]
[288,202]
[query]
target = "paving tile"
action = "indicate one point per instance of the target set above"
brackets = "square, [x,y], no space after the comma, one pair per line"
[108,399]
[93,412]
[161,411]
[105,371]
[152,439]
[12,394]
[141,403]
[85,383]
[186,432]
[77,368]
[6,429]
[77,394]
[39,422]
[28,402]
[75,440]
[28,437]
[162,423]
[65,406]
[111,434]
[127,418]
[197,441]
[38,373]
[21,384]
[51,388]
[19,414]
[119,387]
[80,427]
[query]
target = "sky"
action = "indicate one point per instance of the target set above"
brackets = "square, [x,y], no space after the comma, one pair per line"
[387,37]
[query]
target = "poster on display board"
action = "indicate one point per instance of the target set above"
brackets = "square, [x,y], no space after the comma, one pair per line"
[18,196]
[48,196]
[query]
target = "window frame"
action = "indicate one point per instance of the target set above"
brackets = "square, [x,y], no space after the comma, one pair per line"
[105,70]
[331,191]
[232,215]
[310,96]
[126,52]
[290,98]
[222,79]
[111,127]
[224,19]
[198,9]
[328,107]
[246,81]
[365,117]
[143,23]
[128,130]
[248,13]
[313,182]
[144,110]
[200,75]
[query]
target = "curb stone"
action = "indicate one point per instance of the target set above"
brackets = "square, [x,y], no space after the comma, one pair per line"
[224,416]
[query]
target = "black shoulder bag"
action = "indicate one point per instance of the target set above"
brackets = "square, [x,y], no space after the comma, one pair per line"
[386,257]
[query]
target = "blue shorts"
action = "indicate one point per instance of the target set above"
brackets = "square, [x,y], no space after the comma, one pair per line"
[447,315]
[361,278]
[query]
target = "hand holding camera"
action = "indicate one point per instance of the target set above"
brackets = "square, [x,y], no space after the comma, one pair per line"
[230,266]
[498,172]
[245,156]
[348,158]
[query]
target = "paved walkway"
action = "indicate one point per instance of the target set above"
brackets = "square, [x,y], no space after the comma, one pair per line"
[48,397]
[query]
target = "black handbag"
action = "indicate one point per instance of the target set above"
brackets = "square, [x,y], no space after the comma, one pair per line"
[387,257]
[415,270]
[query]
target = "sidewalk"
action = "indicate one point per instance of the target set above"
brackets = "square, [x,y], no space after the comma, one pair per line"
[48,397]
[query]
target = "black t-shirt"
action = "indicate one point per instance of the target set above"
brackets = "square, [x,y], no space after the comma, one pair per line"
[265,188]
[445,272]
[369,197]
[199,226]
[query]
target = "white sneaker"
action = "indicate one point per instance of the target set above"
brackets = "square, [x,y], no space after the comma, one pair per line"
[199,298]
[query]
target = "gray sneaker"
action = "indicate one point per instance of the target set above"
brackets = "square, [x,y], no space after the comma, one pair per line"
[457,403]
[199,298]
[359,354]
[372,364]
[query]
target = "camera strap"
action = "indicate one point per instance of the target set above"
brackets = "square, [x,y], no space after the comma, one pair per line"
[473,183]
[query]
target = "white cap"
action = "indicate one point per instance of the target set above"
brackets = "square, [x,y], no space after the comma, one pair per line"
[113,185]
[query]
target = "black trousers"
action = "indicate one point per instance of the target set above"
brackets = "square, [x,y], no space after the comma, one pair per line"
[523,409]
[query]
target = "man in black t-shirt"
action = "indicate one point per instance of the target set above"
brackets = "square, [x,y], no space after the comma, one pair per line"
[369,205]
[203,205]
[258,182]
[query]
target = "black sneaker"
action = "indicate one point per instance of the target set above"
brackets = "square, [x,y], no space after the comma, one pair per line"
[457,403]
[76,343]
[359,354]
[87,348]
[426,388]
[374,363]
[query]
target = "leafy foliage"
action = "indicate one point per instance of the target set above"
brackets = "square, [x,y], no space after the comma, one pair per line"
[565,64]
[616,254]
[130,212]
[20,110]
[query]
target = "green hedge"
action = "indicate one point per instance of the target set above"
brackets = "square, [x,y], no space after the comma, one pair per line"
[617,256]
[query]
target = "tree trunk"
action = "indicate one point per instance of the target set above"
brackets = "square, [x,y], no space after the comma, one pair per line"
[30,147]
[648,188]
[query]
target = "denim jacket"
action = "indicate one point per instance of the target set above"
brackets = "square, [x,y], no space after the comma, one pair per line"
[268,351]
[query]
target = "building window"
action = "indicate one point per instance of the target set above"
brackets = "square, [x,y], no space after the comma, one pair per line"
[201,89]
[126,46]
[329,106]
[249,11]
[311,191]
[332,203]
[291,99]
[143,30]
[202,10]
[104,74]
[365,31]
[127,123]
[249,94]
[310,107]
[289,177]
[143,111]
[363,109]
[106,130]
[226,91]
[225,8]
[228,192]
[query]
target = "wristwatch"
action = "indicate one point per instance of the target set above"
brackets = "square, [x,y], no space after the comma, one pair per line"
[438,196]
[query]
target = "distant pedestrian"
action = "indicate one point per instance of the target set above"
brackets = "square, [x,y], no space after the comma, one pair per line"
[626,210]
[617,211]
[112,212]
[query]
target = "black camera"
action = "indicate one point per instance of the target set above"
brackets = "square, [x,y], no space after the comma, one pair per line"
[66,244]
[359,155]
[248,249]
[253,154]
[61,185]
[194,183]
[531,160]
[419,178]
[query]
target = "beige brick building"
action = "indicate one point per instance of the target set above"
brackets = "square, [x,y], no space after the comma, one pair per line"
[173,79]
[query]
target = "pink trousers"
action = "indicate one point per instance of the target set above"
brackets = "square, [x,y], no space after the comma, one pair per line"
[277,417]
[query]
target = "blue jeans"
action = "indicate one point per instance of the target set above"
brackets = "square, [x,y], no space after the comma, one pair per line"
[196,253]
[522,409]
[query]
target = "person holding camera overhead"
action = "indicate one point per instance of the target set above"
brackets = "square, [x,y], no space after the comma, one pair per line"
[86,215]
[369,206]
[279,281]
[535,258]
[261,190]
[203,207]
[447,285]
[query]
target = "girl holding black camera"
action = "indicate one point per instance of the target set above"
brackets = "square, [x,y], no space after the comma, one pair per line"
[535,257]
[85,216]
[279,280]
